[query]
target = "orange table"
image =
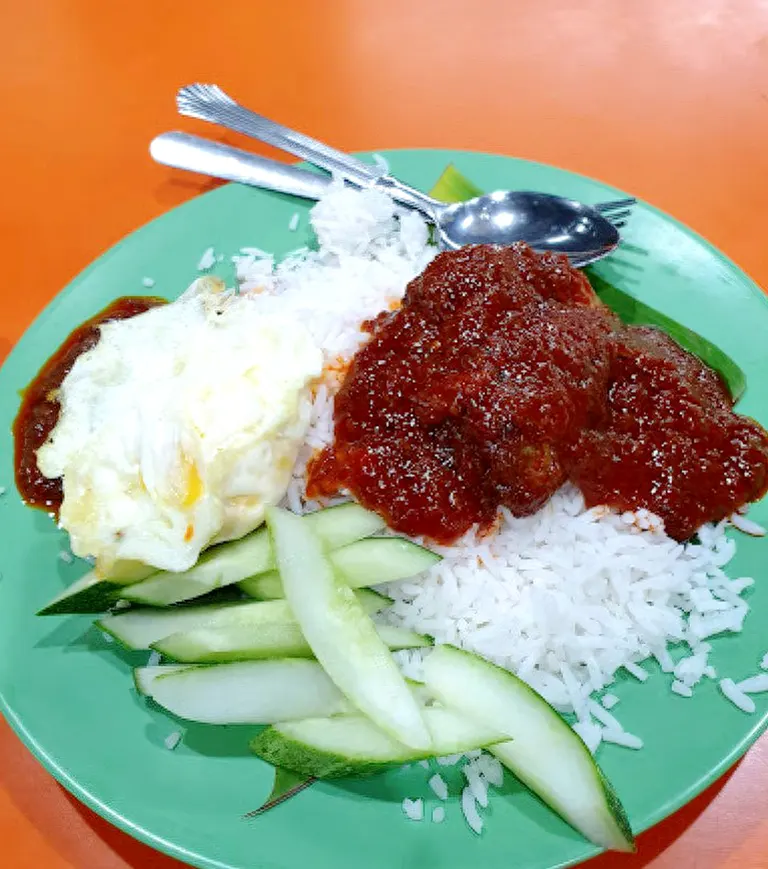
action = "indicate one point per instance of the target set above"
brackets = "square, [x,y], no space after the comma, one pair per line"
[667,99]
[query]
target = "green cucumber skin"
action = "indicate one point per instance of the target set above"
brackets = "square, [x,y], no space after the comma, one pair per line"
[272,747]
[223,645]
[341,634]
[95,599]
[620,838]
[218,567]
[237,560]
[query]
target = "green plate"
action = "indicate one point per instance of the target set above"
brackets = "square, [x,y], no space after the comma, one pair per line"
[68,693]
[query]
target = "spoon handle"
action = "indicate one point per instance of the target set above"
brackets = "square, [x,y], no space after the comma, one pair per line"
[194,154]
[209,103]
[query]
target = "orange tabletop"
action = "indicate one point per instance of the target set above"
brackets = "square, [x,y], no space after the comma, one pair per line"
[667,99]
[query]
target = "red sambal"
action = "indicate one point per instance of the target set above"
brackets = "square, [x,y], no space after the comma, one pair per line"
[39,409]
[501,377]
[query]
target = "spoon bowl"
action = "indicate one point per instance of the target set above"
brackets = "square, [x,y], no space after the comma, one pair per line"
[545,222]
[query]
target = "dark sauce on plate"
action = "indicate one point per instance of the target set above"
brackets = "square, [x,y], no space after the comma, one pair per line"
[39,409]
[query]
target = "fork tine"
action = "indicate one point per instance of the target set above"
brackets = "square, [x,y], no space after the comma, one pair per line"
[615,203]
[617,215]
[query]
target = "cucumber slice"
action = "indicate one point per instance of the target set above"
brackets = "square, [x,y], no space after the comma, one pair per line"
[140,628]
[543,751]
[354,746]
[221,565]
[363,563]
[240,642]
[248,692]
[263,586]
[341,635]
[382,559]
[89,594]
[143,677]
[232,562]
[337,526]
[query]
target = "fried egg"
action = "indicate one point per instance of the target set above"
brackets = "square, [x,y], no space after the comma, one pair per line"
[179,428]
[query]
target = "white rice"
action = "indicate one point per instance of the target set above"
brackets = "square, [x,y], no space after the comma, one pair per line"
[3,490]
[763,663]
[747,525]
[469,810]
[439,787]
[66,556]
[438,815]
[148,283]
[413,809]
[172,740]
[737,696]
[754,684]
[635,670]
[609,701]
[154,659]
[476,783]
[490,769]
[621,737]
[591,734]
[566,597]
[207,260]
[449,759]
[108,638]
[293,223]
[678,687]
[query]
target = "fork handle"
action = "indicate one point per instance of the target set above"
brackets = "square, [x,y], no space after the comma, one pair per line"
[210,103]
[194,154]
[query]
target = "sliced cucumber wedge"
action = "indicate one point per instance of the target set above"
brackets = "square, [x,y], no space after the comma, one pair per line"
[140,628]
[232,562]
[243,642]
[337,526]
[89,594]
[341,635]
[355,746]
[143,677]
[365,562]
[382,559]
[263,586]
[247,692]
[543,751]
[221,565]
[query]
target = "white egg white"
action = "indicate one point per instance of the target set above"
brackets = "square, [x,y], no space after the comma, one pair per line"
[179,427]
